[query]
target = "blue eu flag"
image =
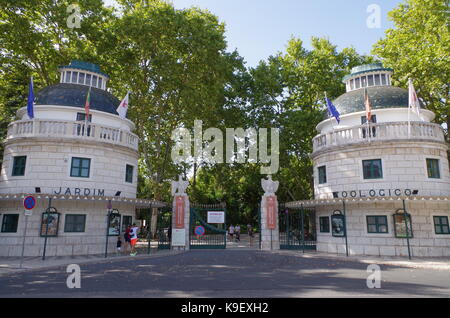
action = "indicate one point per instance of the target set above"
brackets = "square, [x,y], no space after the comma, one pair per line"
[332,110]
[30,107]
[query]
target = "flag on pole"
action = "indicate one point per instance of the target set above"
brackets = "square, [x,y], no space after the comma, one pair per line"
[123,107]
[414,103]
[88,103]
[368,106]
[332,110]
[30,106]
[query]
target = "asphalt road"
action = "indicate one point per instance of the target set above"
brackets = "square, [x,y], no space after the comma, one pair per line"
[229,273]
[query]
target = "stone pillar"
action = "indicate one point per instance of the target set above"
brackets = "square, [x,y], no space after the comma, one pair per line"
[180,215]
[270,237]
[180,221]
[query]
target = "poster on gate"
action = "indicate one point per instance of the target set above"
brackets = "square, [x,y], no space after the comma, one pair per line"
[179,213]
[271,208]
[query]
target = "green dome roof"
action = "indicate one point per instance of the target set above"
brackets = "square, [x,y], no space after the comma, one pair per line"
[74,95]
[366,68]
[380,97]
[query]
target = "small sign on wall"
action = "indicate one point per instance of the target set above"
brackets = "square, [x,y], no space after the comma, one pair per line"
[216,217]
[178,237]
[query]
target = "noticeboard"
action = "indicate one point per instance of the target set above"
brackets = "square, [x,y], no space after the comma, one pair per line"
[53,224]
[338,225]
[114,224]
[216,217]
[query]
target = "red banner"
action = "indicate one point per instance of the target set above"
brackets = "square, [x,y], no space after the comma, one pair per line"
[179,213]
[271,207]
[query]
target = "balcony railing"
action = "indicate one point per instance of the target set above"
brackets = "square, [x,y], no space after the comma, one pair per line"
[71,129]
[379,132]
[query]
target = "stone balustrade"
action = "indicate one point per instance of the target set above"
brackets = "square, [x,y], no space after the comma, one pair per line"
[379,132]
[71,129]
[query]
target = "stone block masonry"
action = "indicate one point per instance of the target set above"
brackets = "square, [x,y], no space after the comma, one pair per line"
[91,241]
[425,242]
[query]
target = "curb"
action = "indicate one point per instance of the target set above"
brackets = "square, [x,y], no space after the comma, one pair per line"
[14,270]
[402,262]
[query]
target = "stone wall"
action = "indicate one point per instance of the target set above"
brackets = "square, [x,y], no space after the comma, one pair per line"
[403,165]
[424,242]
[91,241]
[48,167]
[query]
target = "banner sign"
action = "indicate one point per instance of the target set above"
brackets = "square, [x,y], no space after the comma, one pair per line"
[216,217]
[271,212]
[179,213]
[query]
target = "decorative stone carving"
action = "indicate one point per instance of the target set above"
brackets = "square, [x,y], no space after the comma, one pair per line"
[269,186]
[179,186]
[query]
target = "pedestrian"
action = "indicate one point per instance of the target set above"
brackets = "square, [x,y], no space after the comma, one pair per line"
[119,245]
[133,238]
[127,237]
[237,230]
[231,232]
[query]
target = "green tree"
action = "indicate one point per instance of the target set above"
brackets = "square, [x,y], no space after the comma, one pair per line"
[418,47]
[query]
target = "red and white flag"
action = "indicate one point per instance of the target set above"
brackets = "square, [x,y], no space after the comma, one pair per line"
[368,106]
[414,103]
[123,107]
[87,105]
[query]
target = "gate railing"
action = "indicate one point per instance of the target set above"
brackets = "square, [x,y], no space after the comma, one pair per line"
[214,237]
[296,229]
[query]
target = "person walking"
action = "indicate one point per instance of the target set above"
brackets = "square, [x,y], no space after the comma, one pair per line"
[231,232]
[237,230]
[133,238]
[127,238]
[119,245]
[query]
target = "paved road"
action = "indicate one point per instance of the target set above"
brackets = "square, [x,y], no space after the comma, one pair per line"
[229,273]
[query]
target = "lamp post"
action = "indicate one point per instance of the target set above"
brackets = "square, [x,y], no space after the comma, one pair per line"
[111,212]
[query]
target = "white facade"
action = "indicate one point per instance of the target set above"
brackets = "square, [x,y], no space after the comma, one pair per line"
[81,165]
[407,161]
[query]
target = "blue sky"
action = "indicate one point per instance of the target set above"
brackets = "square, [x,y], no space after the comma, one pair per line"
[260,28]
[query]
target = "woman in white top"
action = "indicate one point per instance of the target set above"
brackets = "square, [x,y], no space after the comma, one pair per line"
[231,231]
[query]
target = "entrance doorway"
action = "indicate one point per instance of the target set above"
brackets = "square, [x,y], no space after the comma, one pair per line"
[297,228]
[206,232]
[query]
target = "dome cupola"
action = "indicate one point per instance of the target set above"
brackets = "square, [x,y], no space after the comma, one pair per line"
[83,73]
[368,75]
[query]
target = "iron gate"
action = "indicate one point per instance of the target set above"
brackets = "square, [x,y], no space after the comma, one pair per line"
[164,228]
[297,228]
[215,236]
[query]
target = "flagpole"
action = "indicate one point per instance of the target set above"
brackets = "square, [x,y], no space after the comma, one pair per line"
[409,108]
[329,115]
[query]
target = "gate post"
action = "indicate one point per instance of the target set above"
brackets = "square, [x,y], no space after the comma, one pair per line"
[270,236]
[181,215]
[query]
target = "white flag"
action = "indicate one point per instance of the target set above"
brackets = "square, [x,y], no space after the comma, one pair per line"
[123,107]
[414,103]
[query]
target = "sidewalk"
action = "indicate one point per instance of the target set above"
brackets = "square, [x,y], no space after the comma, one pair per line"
[438,263]
[12,264]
